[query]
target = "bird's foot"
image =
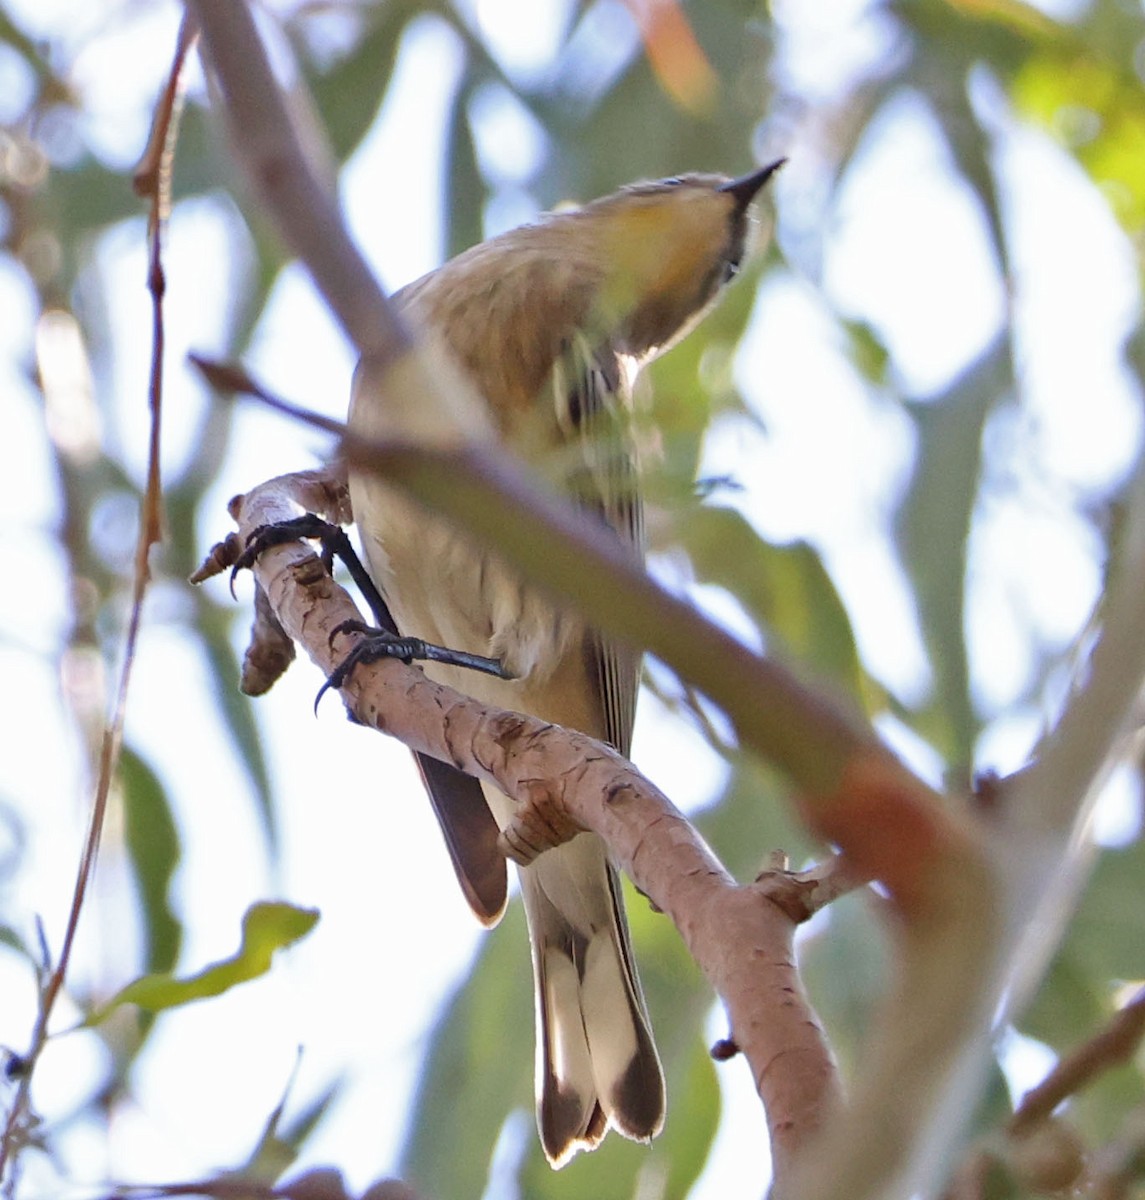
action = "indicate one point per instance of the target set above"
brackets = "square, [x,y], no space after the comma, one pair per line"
[381,643]
[382,640]
[335,544]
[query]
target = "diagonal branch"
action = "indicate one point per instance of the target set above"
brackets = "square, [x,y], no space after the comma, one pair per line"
[741,937]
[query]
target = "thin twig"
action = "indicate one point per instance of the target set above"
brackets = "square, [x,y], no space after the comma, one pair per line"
[149,534]
[300,199]
[1117,1043]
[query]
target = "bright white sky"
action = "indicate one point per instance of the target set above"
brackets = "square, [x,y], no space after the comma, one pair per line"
[907,251]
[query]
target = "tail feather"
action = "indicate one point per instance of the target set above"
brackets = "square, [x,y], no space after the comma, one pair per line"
[569,1115]
[596,1062]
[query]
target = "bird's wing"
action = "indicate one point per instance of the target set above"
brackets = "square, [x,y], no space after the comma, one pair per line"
[593,414]
[470,833]
[469,828]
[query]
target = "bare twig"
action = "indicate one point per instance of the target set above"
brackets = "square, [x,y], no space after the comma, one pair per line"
[825,882]
[298,197]
[149,534]
[1115,1044]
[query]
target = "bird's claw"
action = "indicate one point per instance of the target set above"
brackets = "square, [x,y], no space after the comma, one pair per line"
[309,525]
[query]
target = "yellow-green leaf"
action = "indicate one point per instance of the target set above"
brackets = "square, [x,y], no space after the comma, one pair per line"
[267,927]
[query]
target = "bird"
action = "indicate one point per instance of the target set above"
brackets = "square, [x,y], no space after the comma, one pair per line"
[551,322]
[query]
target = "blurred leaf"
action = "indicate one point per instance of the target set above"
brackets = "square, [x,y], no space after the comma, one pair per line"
[277,1148]
[867,351]
[299,1128]
[81,201]
[12,35]
[932,529]
[1099,1111]
[958,33]
[784,588]
[478,1070]
[680,66]
[12,939]
[349,94]
[1068,1001]
[753,818]
[224,670]
[845,964]
[636,131]
[465,188]
[1106,936]
[1096,108]
[694,384]
[153,852]
[1102,948]
[693,1119]
[203,161]
[1022,18]
[267,927]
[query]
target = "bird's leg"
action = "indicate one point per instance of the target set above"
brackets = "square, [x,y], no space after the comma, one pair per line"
[383,639]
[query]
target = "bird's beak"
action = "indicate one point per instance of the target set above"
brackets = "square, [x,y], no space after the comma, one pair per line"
[744,189]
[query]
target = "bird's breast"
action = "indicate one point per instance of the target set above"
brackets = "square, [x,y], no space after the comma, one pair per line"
[443,587]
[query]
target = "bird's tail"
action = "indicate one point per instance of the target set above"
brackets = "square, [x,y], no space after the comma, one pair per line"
[597,1064]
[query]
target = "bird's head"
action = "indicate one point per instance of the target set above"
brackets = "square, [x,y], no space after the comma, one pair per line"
[668,247]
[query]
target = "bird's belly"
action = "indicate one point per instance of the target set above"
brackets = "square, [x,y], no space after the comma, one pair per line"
[443,587]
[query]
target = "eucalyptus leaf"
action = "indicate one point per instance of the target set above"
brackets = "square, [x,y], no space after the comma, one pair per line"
[267,927]
[154,852]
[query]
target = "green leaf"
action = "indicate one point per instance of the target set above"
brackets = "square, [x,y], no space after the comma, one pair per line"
[267,927]
[224,670]
[465,188]
[277,1148]
[479,1069]
[153,852]
[785,589]
[349,94]
[932,529]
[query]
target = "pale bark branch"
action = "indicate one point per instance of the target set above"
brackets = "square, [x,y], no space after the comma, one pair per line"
[741,937]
